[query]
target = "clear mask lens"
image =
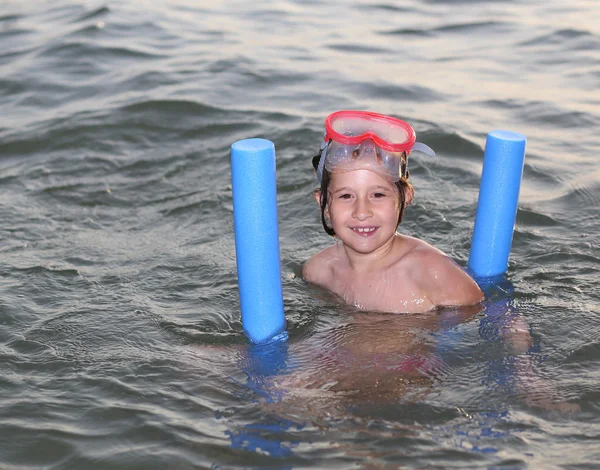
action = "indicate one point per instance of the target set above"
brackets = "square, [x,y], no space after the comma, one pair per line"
[365,156]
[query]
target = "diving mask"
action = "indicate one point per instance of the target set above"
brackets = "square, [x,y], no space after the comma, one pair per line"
[363,140]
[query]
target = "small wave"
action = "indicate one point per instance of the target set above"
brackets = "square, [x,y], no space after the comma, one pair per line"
[193,120]
[411,92]
[86,31]
[570,258]
[358,48]
[386,7]
[35,270]
[544,180]
[10,55]
[588,352]
[98,12]
[10,33]
[582,192]
[213,330]
[178,106]
[76,50]
[203,207]
[455,144]
[487,26]
[531,217]
[11,87]
[9,18]
[567,39]
[586,190]
[502,104]
[550,114]
[407,32]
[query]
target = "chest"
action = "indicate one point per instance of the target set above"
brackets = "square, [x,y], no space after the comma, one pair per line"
[385,291]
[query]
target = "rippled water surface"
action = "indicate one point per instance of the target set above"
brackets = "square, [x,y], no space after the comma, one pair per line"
[121,344]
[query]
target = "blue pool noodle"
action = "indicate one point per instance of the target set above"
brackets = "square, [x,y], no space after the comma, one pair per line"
[497,205]
[257,238]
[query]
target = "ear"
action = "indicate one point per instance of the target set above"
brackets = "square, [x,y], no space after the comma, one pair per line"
[317,196]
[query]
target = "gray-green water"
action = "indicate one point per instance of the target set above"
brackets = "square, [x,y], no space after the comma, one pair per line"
[120,341]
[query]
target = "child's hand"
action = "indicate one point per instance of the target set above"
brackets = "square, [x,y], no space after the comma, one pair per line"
[519,340]
[539,392]
[552,405]
[517,335]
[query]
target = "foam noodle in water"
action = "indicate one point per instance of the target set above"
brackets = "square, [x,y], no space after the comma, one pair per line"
[497,205]
[257,238]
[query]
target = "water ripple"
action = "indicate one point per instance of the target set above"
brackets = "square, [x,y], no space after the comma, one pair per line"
[92,15]
[120,314]
[571,39]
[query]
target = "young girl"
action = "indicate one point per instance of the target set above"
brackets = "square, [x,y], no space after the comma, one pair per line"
[362,168]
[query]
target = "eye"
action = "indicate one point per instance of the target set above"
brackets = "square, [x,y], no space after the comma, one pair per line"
[345,196]
[379,195]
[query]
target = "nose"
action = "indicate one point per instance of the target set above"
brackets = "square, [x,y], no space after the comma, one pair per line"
[362,209]
[366,146]
[367,149]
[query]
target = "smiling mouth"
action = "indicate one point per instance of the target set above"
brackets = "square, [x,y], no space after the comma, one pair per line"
[364,231]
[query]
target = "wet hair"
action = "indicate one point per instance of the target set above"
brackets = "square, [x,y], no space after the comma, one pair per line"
[402,185]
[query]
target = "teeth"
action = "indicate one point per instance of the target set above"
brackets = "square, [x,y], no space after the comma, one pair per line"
[364,230]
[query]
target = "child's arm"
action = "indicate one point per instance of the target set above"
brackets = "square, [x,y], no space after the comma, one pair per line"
[516,334]
[444,281]
[318,269]
[502,321]
[312,271]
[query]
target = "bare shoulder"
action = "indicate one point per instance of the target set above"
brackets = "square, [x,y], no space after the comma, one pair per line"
[318,269]
[444,281]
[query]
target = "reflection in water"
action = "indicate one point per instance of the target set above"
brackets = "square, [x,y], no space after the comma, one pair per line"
[265,437]
[373,363]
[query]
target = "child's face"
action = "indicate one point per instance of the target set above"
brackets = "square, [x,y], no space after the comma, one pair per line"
[363,208]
